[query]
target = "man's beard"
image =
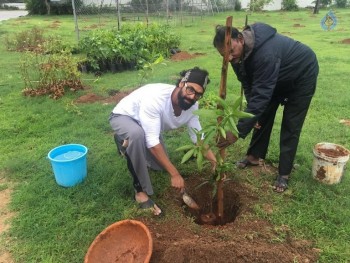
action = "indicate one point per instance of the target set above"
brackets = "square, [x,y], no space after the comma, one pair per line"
[184,104]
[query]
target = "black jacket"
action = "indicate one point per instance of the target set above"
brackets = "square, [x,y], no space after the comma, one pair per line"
[274,67]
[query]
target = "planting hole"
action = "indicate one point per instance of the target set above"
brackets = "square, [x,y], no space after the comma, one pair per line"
[207,215]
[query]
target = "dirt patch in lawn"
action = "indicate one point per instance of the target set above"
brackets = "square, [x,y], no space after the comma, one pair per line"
[5,216]
[345,122]
[346,41]
[246,239]
[298,25]
[114,97]
[183,55]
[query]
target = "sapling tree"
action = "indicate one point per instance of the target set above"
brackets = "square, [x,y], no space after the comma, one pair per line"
[208,138]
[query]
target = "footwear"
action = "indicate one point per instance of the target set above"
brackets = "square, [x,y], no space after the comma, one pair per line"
[151,205]
[281,183]
[245,163]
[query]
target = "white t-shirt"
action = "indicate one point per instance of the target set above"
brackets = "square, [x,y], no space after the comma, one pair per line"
[151,106]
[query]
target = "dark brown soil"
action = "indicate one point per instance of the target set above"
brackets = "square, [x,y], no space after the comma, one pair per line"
[346,41]
[245,239]
[183,55]
[298,25]
[113,99]
[333,153]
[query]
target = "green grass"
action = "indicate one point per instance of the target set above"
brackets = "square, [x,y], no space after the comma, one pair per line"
[55,224]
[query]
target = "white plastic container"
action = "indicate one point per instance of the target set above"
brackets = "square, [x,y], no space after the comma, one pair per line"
[329,162]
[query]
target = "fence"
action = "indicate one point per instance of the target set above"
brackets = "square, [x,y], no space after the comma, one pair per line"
[91,14]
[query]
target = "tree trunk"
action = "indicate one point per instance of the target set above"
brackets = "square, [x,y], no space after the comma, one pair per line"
[317,7]
[222,94]
[48,7]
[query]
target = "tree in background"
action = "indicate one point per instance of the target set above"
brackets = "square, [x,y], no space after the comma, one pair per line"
[48,7]
[317,6]
[341,3]
[289,5]
[258,5]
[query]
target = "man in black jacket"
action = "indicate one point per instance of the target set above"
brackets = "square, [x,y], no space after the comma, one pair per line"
[274,70]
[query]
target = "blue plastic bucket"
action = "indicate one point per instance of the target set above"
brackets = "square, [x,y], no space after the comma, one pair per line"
[69,164]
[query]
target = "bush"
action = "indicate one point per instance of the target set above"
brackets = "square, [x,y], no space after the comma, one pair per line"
[238,6]
[341,3]
[289,5]
[34,40]
[325,3]
[51,74]
[29,40]
[135,44]
[38,7]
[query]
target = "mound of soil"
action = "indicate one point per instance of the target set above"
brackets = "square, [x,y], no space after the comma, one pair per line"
[245,239]
[183,55]
[298,25]
[346,41]
[112,99]
[345,122]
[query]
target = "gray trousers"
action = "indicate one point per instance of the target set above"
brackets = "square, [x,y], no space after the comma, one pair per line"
[139,158]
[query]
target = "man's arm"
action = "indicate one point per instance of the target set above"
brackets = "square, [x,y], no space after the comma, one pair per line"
[176,179]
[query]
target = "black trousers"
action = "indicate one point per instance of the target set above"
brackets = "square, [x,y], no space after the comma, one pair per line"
[294,113]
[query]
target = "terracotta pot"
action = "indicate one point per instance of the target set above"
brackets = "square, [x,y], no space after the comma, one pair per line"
[123,241]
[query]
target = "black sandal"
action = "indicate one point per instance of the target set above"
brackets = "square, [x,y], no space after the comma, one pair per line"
[245,163]
[281,183]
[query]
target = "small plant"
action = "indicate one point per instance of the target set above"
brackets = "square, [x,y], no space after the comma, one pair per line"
[148,68]
[29,40]
[52,74]
[218,121]
[73,108]
[132,47]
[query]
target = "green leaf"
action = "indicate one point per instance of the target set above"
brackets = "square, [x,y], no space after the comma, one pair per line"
[208,129]
[187,156]
[158,60]
[200,160]
[185,147]
[222,132]
[238,102]
[232,123]
[222,103]
[206,113]
[209,136]
[242,114]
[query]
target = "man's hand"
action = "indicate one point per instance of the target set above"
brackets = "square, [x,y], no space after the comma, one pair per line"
[230,139]
[257,126]
[177,182]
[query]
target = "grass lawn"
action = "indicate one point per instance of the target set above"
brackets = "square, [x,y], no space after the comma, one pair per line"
[56,224]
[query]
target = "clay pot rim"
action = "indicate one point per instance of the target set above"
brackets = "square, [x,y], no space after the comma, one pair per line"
[117,225]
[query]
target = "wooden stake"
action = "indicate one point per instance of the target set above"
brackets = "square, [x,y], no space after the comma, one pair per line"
[222,94]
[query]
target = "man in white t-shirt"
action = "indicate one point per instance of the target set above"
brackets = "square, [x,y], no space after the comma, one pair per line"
[139,119]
